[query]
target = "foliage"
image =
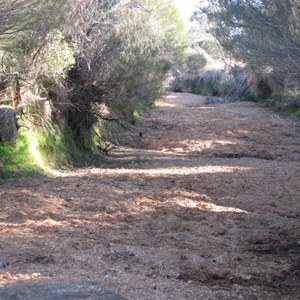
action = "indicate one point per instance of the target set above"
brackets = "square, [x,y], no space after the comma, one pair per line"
[26,26]
[211,48]
[60,61]
[200,37]
[140,108]
[185,73]
[124,50]
[194,62]
[57,59]
[32,48]
[210,89]
[264,34]
[57,149]
[288,102]
[15,16]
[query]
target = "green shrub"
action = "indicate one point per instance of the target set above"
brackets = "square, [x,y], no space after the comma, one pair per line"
[287,102]
[212,88]
[194,62]
[58,57]
[211,48]
[140,108]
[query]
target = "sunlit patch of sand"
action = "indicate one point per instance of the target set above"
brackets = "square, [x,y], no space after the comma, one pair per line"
[144,204]
[164,103]
[202,202]
[160,103]
[203,205]
[12,278]
[173,170]
[198,145]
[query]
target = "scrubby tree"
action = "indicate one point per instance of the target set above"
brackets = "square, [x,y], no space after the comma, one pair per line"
[118,42]
[15,16]
[70,58]
[27,30]
[123,50]
[24,26]
[263,33]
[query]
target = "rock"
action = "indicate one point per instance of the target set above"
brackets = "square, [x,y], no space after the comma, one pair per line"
[3,264]
[216,100]
[210,76]
[58,292]
[8,124]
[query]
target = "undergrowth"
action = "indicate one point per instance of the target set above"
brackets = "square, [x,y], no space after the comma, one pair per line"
[214,88]
[208,89]
[288,103]
[38,152]
[16,159]
[58,150]
[141,107]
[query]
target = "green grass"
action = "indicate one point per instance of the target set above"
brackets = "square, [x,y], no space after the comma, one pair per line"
[287,103]
[37,152]
[16,159]
[297,113]
[58,149]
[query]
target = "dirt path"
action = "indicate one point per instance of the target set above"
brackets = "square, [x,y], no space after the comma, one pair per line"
[204,205]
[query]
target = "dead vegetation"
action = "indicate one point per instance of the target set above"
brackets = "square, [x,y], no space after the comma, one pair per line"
[205,205]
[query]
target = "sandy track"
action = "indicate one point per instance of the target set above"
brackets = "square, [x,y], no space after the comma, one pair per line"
[204,205]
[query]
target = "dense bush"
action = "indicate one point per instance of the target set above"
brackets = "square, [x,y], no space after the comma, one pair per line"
[264,34]
[185,73]
[74,68]
[123,54]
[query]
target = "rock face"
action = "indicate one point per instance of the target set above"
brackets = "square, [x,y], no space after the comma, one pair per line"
[8,124]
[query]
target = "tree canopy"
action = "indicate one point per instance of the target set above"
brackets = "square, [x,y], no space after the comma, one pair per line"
[264,33]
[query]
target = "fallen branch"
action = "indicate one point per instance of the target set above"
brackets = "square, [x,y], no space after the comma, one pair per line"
[108,147]
[118,121]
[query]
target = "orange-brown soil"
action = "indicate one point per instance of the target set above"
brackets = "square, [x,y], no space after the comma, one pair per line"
[204,205]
